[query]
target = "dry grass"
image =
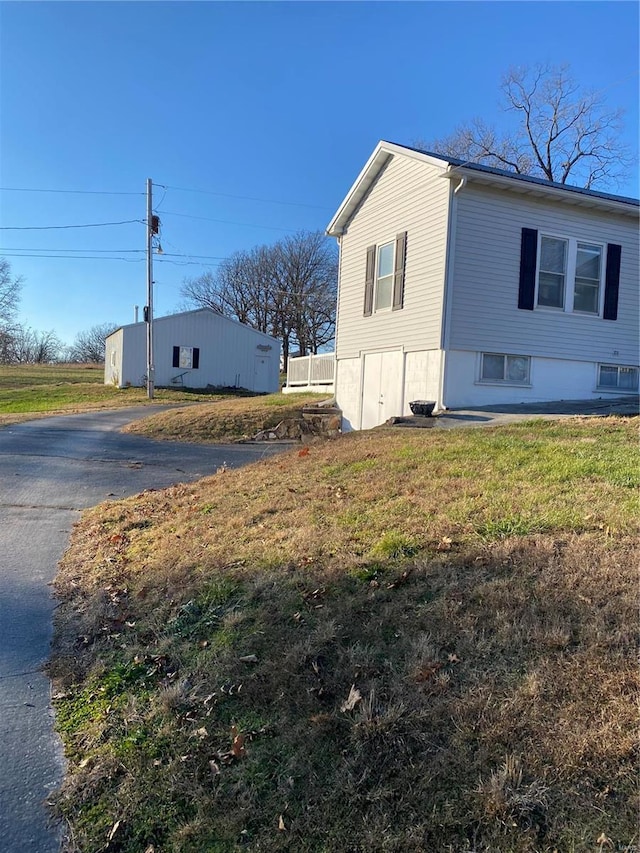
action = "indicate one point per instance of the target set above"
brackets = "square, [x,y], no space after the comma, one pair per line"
[225,420]
[394,642]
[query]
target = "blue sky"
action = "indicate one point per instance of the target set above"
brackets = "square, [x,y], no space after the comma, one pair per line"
[255,103]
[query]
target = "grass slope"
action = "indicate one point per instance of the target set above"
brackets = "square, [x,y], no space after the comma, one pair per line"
[400,641]
[27,390]
[225,420]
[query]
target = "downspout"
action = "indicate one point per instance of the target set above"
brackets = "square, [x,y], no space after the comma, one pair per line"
[448,284]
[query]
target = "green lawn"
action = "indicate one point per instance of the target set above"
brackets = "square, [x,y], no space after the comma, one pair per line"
[402,641]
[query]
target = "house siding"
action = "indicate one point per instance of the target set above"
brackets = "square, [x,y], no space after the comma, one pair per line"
[484,310]
[408,196]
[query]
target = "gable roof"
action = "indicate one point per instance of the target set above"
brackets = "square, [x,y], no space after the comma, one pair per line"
[210,311]
[454,168]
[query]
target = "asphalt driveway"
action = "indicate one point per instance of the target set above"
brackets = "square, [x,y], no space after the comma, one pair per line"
[50,470]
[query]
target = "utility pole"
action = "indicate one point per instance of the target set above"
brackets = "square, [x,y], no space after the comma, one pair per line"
[149,311]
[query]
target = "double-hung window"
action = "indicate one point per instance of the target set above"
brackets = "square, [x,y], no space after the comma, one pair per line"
[384,276]
[570,275]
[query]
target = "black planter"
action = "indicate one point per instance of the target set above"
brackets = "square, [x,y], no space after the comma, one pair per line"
[422,407]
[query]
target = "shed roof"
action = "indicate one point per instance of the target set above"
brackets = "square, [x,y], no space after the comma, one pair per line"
[210,311]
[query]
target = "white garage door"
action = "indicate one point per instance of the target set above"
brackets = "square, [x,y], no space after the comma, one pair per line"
[382,387]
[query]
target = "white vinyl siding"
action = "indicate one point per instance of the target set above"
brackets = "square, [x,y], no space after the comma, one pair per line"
[407,196]
[484,313]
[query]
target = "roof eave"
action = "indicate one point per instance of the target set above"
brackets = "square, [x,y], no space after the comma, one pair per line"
[383,152]
[542,190]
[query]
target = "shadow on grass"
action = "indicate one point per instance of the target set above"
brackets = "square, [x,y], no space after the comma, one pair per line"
[464,701]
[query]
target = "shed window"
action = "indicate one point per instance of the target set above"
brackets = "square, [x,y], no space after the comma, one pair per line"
[187,358]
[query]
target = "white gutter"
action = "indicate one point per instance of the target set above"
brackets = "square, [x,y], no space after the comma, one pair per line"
[448,283]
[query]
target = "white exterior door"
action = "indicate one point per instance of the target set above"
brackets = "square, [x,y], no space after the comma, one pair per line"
[381,388]
[261,371]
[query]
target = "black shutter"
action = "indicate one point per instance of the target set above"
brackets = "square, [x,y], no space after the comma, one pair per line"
[196,358]
[528,258]
[176,357]
[368,281]
[612,282]
[398,273]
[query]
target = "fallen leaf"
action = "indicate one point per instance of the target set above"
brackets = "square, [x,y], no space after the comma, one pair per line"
[281,824]
[202,733]
[248,659]
[303,452]
[427,672]
[237,747]
[453,658]
[215,767]
[604,839]
[150,849]
[352,699]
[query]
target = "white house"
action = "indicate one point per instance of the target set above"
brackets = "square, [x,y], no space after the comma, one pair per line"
[472,286]
[194,349]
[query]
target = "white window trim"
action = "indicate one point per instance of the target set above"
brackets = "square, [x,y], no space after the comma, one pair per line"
[607,389]
[501,383]
[380,246]
[570,275]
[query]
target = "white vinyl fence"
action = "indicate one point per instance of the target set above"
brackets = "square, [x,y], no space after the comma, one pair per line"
[311,373]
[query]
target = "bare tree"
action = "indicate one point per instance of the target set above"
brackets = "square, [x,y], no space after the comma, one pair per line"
[10,290]
[564,134]
[33,347]
[306,277]
[88,346]
[287,290]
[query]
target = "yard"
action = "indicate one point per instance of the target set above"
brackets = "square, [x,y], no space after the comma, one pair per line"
[396,641]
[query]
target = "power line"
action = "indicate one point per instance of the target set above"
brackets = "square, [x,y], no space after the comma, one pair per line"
[59,227]
[75,257]
[244,197]
[19,249]
[75,192]
[163,254]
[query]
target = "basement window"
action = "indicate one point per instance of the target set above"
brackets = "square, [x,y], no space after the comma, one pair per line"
[612,377]
[500,367]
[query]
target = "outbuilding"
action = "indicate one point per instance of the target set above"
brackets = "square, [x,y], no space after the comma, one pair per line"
[194,349]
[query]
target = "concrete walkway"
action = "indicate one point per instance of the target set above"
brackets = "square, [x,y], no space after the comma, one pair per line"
[496,415]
